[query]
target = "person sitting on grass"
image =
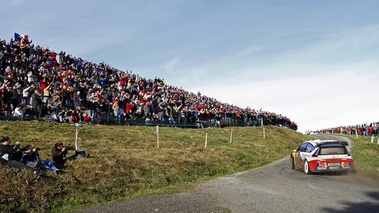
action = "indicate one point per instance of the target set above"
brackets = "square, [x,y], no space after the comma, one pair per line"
[8,156]
[18,112]
[31,158]
[58,153]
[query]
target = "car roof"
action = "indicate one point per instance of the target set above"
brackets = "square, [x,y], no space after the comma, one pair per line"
[319,142]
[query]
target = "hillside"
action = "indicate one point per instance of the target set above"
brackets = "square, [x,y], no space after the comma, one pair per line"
[126,162]
[41,83]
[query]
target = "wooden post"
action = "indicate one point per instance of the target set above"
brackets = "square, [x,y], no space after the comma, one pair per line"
[206,140]
[264,132]
[231,135]
[76,139]
[157,130]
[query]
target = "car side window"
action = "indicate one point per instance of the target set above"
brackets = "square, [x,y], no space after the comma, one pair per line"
[303,147]
[310,148]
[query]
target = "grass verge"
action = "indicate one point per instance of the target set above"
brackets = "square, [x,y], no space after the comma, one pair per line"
[126,162]
[365,154]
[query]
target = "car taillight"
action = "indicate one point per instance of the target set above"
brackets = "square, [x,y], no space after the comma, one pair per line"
[322,165]
[345,164]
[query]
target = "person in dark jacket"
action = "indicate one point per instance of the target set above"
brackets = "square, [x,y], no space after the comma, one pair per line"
[36,103]
[58,153]
[8,154]
[31,158]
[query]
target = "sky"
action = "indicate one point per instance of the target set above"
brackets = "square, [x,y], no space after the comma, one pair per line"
[314,61]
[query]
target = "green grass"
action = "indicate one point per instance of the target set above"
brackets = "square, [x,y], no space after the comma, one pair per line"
[126,163]
[365,154]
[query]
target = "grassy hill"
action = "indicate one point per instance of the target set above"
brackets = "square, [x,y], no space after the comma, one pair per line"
[132,161]
[365,154]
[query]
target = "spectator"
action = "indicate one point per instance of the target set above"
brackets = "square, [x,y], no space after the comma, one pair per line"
[99,84]
[36,103]
[18,111]
[46,94]
[25,95]
[10,155]
[115,108]
[31,158]
[86,118]
[77,100]
[30,77]
[58,153]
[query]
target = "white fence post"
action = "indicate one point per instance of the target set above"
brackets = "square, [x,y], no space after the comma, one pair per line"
[157,130]
[76,139]
[231,135]
[263,127]
[206,140]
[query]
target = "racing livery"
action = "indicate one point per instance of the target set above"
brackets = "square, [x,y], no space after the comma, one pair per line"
[317,156]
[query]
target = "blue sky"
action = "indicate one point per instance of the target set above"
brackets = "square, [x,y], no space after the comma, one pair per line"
[313,61]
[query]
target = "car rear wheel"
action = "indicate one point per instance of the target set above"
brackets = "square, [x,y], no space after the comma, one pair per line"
[292,161]
[306,168]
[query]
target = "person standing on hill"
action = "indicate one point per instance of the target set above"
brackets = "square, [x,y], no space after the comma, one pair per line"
[46,94]
[77,100]
[36,102]
[116,108]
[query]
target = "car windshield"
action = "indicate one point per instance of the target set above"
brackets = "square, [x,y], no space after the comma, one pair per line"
[332,150]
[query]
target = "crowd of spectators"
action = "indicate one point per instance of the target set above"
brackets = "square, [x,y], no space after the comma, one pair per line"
[37,82]
[367,129]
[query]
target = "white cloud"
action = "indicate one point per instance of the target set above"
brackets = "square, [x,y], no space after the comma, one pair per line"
[313,102]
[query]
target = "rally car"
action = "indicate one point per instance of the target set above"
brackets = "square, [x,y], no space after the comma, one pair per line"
[322,156]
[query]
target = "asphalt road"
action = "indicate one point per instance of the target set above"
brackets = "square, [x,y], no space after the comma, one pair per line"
[272,188]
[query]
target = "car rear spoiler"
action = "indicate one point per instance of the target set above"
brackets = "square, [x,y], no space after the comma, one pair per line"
[345,143]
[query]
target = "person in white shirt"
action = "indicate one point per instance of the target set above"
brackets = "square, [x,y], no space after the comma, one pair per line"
[18,112]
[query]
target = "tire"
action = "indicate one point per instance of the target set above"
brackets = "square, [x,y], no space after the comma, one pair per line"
[292,161]
[306,168]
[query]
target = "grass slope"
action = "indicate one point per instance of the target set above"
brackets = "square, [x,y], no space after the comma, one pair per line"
[365,154]
[126,162]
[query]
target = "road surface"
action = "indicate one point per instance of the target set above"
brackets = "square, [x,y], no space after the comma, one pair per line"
[272,188]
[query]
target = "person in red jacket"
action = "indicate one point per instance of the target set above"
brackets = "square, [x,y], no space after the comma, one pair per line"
[43,84]
[129,106]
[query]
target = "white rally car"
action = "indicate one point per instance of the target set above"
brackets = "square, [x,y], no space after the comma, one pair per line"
[317,156]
